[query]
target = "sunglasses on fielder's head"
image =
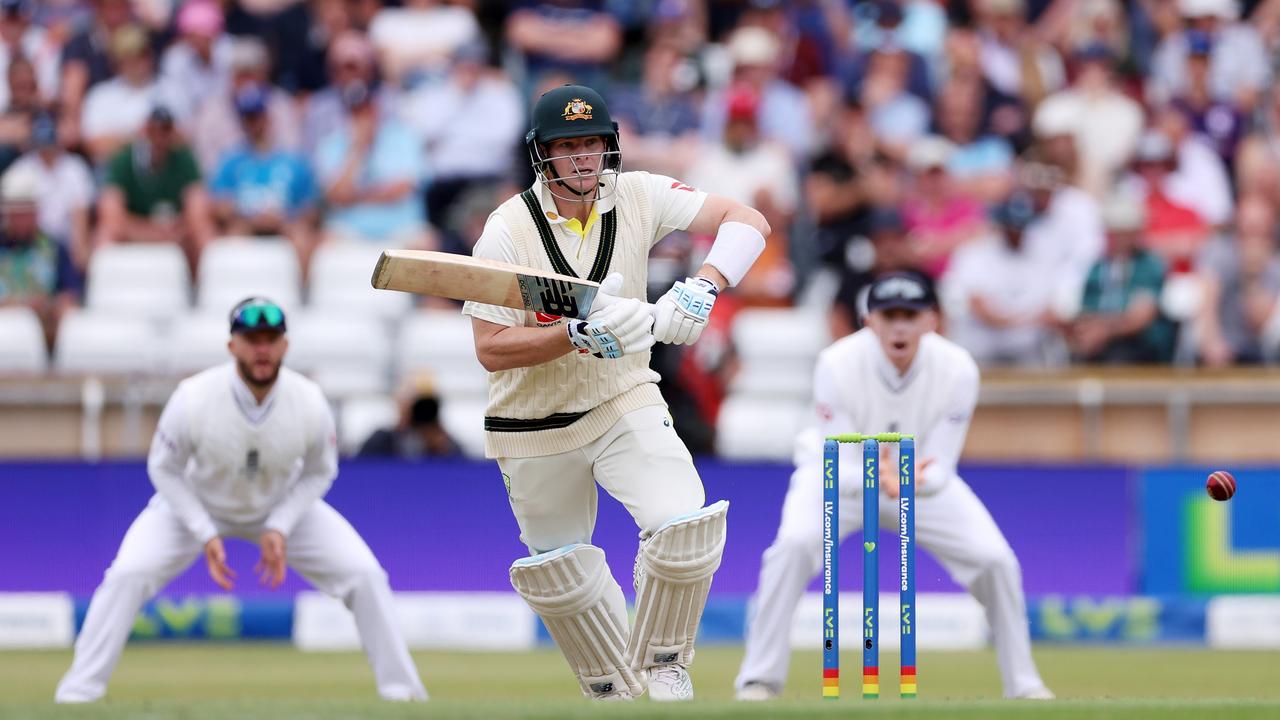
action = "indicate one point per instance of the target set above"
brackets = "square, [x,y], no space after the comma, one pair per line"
[257,314]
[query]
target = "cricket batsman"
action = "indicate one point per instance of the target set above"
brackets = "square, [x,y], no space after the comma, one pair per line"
[895,375]
[245,449]
[573,402]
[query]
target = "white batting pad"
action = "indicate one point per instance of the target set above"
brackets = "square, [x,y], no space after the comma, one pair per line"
[673,576]
[571,589]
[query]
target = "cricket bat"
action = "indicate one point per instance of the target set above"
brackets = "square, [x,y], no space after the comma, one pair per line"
[460,277]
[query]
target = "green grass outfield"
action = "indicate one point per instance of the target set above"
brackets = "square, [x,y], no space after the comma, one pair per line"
[247,681]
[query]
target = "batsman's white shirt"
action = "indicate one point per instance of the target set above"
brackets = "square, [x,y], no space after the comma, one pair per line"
[566,403]
[857,389]
[218,454]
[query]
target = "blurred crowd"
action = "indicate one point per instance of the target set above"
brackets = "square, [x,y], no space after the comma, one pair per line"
[1085,180]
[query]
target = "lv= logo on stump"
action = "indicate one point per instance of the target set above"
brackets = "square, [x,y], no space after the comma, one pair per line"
[871,445]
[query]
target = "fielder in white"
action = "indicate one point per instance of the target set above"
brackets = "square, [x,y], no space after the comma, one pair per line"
[895,375]
[247,450]
[573,403]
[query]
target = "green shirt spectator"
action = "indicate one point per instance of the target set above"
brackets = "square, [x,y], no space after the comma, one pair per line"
[1120,320]
[153,193]
[150,191]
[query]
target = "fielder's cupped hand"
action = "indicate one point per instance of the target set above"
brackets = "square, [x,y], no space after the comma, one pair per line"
[892,490]
[215,556]
[271,567]
[616,326]
[681,315]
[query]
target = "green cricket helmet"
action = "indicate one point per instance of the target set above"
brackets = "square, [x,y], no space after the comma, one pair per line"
[571,111]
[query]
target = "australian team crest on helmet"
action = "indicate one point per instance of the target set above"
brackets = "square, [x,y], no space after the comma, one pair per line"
[577,109]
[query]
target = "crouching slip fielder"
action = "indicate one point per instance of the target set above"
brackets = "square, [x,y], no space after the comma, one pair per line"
[246,450]
[896,375]
[573,403]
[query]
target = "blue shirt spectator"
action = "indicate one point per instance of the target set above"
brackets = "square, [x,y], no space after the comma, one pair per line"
[257,181]
[371,170]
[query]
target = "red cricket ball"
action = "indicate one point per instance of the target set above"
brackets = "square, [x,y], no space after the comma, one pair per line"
[1221,485]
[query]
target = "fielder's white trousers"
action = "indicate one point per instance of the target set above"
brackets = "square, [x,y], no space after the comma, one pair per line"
[323,548]
[640,461]
[952,525]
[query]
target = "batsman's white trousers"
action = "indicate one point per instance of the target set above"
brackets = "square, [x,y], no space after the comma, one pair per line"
[952,524]
[640,461]
[323,548]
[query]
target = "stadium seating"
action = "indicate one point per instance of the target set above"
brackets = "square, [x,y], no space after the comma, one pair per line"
[232,269]
[346,354]
[339,280]
[23,349]
[751,428]
[360,416]
[148,279]
[109,343]
[441,341]
[196,341]
[777,348]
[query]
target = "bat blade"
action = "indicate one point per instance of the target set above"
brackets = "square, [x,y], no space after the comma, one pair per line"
[459,277]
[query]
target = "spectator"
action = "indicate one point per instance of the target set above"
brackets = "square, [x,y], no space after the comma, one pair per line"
[1200,180]
[64,185]
[802,61]
[896,115]
[981,163]
[115,110]
[1067,232]
[1104,122]
[261,188]
[418,40]
[1175,230]
[371,171]
[1120,320]
[938,218]
[758,173]
[197,66]
[919,26]
[537,30]
[469,125]
[417,435]
[679,24]
[300,40]
[659,117]
[1238,65]
[35,270]
[86,60]
[999,293]
[152,192]
[836,188]
[784,110]
[19,38]
[1218,122]
[1240,274]
[217,128]
[15,119]
[885,248]
[1012,58]
[351,62]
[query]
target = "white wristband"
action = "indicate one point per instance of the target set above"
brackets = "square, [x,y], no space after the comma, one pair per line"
[735,250]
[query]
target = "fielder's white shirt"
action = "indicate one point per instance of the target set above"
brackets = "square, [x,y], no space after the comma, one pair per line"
[220,455]
[858,390]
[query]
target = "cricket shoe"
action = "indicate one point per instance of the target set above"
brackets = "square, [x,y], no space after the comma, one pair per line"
[670,683]
[1040,693]
[756,692]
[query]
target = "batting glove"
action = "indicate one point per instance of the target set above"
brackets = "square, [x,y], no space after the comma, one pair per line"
[681,315]
[615,327]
